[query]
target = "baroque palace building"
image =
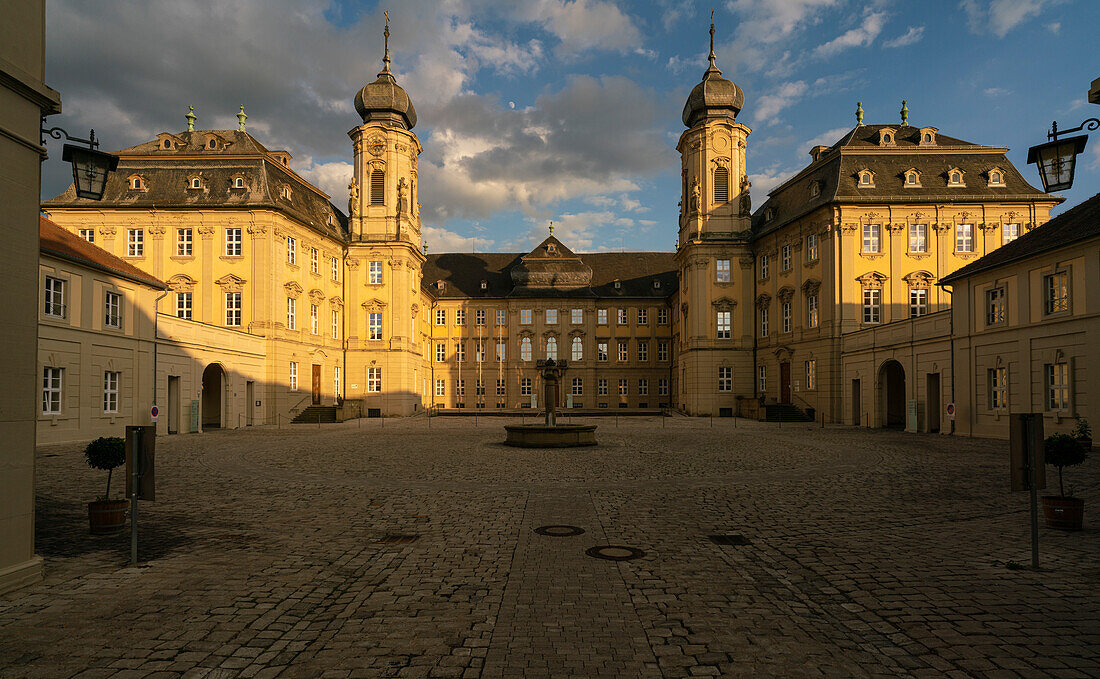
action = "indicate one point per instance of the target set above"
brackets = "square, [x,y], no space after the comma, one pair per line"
[281,301]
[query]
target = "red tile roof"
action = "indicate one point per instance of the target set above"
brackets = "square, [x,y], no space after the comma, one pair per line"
[57,242]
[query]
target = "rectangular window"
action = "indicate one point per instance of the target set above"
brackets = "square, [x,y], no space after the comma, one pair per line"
[184,241]
[110,392]
[374,380]
[374,325]
[624,355]
[460,351]
[918,302]
[998,389]
[578,387]
[374,273]
[233,309]
[1057,378]
[918,238]
[294,376]
[871,241]
[764,318]
[441,317]
[479,317]
[662,351]
[55,297]
[1011,233]
[662,387]
[501,316]
[551,316]
[643,387]
[336,380]
[525,386]
[183,305]
[335,269]
[87,234]
[51,391]
[135,242]
[525,317]
[291,313]
[500,387]
[722,270]
[112,312]
[811,247]
[811,311]
[643,351]
[622,317]
[723,325]
[291,250]
[441,387]
[872,305]
[763,266]
[762,379]
[643,316]
[440,352]
[662,316]
[785,316]
[460,388]
[1056,292]
[479,350]
[460,317]
[964,238]
[786,257]
[500,351]
[601,316]
[623,391]
[601,387]
[811,374]
[479,387]
[313,323]
[314,261]
[335,324]
[725,378]
[576,316]
[233,243]
[601,351]
[995,306]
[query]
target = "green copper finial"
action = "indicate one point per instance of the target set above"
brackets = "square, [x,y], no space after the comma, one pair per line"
[859,114]
[904,113]
[551,228]
[241,117]
[190,119]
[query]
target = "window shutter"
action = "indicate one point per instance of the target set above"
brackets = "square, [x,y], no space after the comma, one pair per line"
[377,187]
[721,185]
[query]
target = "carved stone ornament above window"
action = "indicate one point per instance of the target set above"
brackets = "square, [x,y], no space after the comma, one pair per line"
[181,283]
[292,289]
[811,286]
[785,293]
[352,263]
[231,283]
[763,300]
[724,304]
[872,279]
[336,302]
[316,296]
[919,279]
[373,305]
[415,310]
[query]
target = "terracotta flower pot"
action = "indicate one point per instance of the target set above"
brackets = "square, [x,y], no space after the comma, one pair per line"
[107,516]
[1063,513]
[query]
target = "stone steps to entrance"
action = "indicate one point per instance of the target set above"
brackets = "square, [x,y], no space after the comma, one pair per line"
[315,414]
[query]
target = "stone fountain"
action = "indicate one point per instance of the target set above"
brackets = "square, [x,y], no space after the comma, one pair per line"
[550,434]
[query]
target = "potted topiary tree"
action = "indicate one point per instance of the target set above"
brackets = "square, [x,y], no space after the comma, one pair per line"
[1062,511]
[1083,433]
[106,515]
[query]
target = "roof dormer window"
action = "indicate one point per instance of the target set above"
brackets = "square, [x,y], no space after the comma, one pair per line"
[769,214]
[136,183]
[167,143]
[656,285]
[815,189]
[551,248]
[238,182]
[887,136]
[194,182]
[440,285]
[213,144]
[996,177]
[866,179]
[284,192]
[484,285]
[927,136]
[618,284]
[912,179]
[955,177]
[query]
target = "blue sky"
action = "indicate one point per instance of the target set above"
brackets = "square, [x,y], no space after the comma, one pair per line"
[570,110]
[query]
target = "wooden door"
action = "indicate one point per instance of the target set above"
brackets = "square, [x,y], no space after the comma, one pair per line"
[784,382]
[316,385]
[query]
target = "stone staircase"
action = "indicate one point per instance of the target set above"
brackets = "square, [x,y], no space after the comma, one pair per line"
[785,412]
[314,414]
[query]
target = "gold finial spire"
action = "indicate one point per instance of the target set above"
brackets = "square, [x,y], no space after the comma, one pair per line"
[711,58]
[241,117]
[386,57]
[190,118]
[859,113]
[551,228]
[904,113]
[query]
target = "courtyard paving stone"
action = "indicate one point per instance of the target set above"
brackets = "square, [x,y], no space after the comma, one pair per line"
[871,554]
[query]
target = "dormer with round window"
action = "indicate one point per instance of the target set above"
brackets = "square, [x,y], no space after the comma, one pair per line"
[996,177]
[887,136]
[167,142]
[911,178]
[956,178]
[927,136]
[237,182]
[136,182]
[284,192]
[865,179]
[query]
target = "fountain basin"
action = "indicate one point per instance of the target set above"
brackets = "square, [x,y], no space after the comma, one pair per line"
[550,436]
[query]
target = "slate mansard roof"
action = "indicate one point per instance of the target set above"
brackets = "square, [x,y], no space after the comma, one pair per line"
[557,275]
[837,169]
[166,174]
[1079,223]
[57,242]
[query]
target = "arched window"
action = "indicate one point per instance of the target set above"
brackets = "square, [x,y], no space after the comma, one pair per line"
[721,185]
[196,183]
[238,183]
[135,183]
[927,138]
[377,187]
[995,177]
[552,348]
[167,144]
[956,178]
[213,143]
[525,349]
[865,178]
[578,349]
[886,138]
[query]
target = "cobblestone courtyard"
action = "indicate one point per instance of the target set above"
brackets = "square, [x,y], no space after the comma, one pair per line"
[872,553]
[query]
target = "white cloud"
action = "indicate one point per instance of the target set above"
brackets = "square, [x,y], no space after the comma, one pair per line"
[768,105]
[439,239]
[332,178]
[912,36]
[588,231]
[1001,16]
[827,138]
[996,92]
[776,20]
[765,181]
[1054,27]
[861,36]
[582,25]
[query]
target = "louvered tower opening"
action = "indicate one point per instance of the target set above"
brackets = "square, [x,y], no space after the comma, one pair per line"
[721,185]
[377,187]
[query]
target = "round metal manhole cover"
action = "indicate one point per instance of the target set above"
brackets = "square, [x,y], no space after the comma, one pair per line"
[559,531]
[614,552]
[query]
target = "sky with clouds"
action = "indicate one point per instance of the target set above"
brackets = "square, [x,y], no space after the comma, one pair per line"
[569,110]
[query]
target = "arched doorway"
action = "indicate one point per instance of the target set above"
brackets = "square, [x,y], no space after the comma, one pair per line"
[891,382]
[213,381]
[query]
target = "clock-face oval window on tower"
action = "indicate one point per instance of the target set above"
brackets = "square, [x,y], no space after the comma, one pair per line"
[721,185]
[377,187]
